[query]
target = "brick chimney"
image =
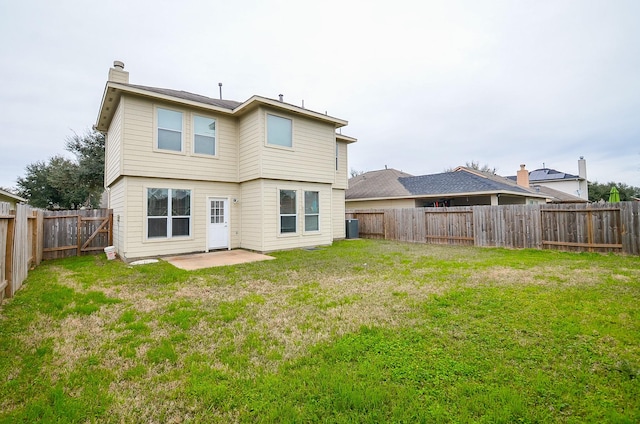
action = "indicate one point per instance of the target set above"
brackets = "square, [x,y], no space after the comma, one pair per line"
[523,177]
[118,74]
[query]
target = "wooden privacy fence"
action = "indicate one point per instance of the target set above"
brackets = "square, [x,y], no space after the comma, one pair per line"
[75,233]
[28,235]
[608,227]
[20,245]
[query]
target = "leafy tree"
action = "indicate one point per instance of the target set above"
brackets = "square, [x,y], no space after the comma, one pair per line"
[89,151]
[476,165]
[65,183]
[599,191]
[354,172]
[35,186]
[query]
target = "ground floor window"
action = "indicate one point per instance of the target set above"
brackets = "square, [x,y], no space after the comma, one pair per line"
[288,214]
[311,211]
[168,212]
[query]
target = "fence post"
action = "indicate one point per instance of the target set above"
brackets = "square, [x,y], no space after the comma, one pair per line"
[79,228]
[8,273]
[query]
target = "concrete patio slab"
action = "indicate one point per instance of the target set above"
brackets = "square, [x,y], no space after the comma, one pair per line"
[211,259]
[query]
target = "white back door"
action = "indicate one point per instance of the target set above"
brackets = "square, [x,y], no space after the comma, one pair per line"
[218,222]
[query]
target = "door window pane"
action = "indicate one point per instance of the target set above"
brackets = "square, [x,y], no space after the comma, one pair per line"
[217,212]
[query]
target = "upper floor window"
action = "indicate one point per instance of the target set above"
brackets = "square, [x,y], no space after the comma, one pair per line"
[204,135]
[169,130]
[279,131]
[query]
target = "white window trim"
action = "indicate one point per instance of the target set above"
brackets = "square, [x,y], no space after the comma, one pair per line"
[266,132]
[193,137]
[155,131]
[169,237]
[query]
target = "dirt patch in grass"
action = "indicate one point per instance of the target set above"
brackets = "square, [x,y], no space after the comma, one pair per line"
[156,332]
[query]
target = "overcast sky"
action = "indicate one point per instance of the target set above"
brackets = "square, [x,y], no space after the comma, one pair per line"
[425,85]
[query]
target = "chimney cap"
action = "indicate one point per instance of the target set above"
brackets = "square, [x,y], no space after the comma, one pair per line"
[118,64]
[522,165]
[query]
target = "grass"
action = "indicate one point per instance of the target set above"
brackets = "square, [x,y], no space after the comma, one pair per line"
[362,331]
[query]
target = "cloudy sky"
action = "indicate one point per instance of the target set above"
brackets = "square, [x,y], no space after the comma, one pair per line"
[425,85]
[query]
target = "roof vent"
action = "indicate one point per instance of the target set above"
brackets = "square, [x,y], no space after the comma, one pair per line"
[281,96]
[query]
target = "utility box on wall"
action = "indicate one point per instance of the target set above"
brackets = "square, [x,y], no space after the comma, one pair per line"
[352,228]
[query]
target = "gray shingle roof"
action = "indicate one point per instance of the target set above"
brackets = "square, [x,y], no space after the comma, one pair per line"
[456,182]
[227,104]
[391,183]
[374,184]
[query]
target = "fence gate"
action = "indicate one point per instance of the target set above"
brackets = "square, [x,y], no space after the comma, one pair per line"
[74,233]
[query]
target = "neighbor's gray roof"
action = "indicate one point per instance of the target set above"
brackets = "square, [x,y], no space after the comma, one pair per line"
[390,183]
[458,182]
[547,174]
[374,184]
[227,104]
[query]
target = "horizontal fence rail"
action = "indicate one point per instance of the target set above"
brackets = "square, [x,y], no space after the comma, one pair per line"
[608,227]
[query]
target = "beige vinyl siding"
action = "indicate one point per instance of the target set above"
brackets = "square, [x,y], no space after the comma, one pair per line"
[250,136]
[113,148]
[137,244]
[141,158]
[116,203]
[273,240]
[312,157]
[342,174]
[338,214]
[381,204]
[252,215]
[569,187]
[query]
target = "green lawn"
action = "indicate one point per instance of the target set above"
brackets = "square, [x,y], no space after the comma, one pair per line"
[363,331]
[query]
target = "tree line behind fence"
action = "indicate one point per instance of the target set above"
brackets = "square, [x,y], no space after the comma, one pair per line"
[28,235]
[607,227]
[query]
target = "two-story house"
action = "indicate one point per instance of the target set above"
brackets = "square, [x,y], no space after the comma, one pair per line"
[189,173]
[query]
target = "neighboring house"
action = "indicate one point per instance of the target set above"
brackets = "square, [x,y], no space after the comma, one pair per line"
[189,173]
[389,188]
[574,185]
[11,198]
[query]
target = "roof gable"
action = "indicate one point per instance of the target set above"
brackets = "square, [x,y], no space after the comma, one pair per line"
[114,90]
[381,183]
[7,195]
